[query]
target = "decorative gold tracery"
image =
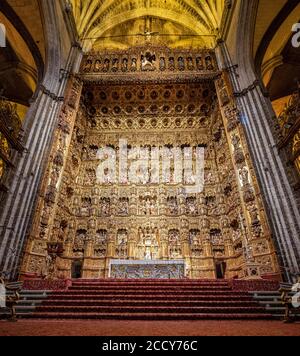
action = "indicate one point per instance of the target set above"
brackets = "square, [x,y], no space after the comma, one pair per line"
[96,221]
[10,134]
[288,128]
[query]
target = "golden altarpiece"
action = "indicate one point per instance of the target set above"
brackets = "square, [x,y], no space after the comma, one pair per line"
[150,97]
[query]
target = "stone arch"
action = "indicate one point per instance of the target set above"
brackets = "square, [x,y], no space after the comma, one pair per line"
[10,14]
[279,23]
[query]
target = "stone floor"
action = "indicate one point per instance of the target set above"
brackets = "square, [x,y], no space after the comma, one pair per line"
[147,328]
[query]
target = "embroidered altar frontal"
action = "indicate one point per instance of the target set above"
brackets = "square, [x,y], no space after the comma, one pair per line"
[147,269]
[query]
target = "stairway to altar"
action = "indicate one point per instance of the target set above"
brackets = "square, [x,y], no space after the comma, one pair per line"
[145,300]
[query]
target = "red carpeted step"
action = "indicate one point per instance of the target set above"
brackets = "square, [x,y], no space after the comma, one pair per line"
[145,289]
[151,316]
[150,300]
[149,284]
[195,281]
[149,309]
[152,286]
[191,297]
[151,291]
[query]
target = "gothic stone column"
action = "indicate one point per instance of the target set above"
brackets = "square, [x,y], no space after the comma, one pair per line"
[256,119]
[40,122]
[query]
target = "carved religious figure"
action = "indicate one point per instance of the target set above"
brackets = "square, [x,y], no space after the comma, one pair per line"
[125,65]
[105,206]
[148,243]
[171,64]
[133,66]
[162,63]
[190,63]
[194,237]
[122,240]
[98,65]
[115,65]
[147,61]
[123,207]
[106,65]
[209,63]
[244,176]
[101,237]
[191,208]
[88,65]
[181,65]
[199,63]
[172,205]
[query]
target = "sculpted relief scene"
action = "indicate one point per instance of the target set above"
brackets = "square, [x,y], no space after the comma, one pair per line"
[159,102]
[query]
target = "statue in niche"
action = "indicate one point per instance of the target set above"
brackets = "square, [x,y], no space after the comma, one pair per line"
[253,215]
[162,64]
[133,66]
[85,206]
[100,252]
[172,205]
[101,237]
[123,206]
[55,173]
[152,207]
[216,236]
[142,206]
[194,237]
[147,61]
[107,177]
[106,64]
[147,205]
[84,154]
[236,142]
[148,255]
[48,270]
[181,65]
[105,206]
[115,65]
[244,176]
[256,230]
[175,252]
[62,230]
[79,243]
[88,66]
[190,63]
[209,63]
[125,65]
[122,239]
[191,208]
[98,65]
[173,237]
[171,64]
[224,97]
[148,243]
[199,63]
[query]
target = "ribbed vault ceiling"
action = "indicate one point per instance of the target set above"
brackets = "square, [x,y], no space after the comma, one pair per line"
[122,23]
